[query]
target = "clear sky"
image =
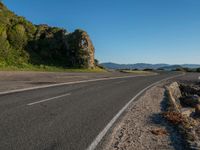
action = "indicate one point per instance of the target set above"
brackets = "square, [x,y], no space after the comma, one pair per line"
[125,31]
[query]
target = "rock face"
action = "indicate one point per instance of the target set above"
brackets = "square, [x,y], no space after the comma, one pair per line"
[81,49]
[175,90]
[174,94]
[22,42]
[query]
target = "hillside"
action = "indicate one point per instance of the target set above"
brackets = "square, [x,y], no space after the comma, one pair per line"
[132,66]
[149,66]
[23,43]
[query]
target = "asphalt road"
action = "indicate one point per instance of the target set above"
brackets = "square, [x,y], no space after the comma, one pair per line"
[66,117]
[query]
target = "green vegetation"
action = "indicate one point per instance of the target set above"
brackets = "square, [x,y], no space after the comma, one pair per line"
[188,69]
[25,46]
[30,67]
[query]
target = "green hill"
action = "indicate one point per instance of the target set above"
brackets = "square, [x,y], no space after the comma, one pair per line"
[23,43]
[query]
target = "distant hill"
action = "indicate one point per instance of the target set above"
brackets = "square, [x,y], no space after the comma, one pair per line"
[171,67]
[190,66]
[111,65]
[22,42]
[132,66]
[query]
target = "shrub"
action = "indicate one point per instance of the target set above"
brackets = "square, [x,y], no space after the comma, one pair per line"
[17,36]
[174,117]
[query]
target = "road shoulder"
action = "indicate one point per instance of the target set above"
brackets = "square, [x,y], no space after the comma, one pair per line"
[142,127]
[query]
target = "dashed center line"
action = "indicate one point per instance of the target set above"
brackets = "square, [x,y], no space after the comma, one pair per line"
[49,99]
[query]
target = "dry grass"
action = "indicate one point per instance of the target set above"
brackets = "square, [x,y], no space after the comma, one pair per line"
[174,117]
[137,71]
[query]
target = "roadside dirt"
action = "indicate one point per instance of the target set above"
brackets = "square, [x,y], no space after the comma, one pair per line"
[143,127]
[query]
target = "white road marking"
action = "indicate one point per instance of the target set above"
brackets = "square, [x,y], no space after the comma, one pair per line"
[49,99]
[68,83]
[96,141]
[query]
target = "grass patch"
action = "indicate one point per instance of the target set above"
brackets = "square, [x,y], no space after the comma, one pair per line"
[44,68]
[136,71]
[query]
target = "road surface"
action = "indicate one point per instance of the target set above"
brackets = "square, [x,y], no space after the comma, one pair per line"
[67,117]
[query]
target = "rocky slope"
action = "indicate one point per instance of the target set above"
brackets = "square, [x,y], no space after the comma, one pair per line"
[23,43]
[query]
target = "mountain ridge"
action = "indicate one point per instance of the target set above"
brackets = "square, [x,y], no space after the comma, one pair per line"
[110,65]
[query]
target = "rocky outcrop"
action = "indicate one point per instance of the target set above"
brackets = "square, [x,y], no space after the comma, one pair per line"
[182,115]
[174,94]
[57,46]
[22,42]
[81,49]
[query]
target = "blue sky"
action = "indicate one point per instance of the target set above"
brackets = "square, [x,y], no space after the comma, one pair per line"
[125,31]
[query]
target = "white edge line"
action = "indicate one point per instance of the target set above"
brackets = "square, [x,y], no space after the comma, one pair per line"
[48,99]
[67,83]
[97,140]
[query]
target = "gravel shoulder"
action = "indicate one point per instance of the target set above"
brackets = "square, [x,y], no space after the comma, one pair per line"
[143,127]
[12,80]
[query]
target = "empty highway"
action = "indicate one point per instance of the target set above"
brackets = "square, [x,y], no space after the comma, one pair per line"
[66,117]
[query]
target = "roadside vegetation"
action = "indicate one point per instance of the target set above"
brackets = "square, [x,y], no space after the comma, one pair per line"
[135,71]
[188,70]
[30,67]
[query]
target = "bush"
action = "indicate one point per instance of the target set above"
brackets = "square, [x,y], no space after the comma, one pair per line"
[147,69]
[17,36]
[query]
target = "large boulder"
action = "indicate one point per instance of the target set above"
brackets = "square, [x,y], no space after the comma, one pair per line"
[175,90]
[174,94]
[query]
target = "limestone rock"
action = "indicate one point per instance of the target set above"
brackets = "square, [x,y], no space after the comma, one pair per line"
[175,91]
